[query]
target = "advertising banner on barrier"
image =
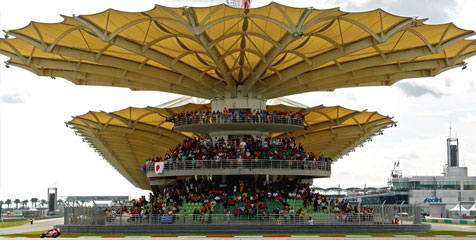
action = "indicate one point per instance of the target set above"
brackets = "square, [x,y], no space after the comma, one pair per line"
[159,167]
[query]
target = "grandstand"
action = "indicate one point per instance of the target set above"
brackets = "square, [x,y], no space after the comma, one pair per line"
[234,67]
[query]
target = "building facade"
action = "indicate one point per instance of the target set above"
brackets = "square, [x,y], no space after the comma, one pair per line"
[449,189]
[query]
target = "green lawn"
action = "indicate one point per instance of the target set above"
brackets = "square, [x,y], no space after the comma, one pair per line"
[13,224]
[434,232]
[459,224]
[28,234]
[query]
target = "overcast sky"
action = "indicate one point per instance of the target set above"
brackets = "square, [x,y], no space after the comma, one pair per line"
[38,151]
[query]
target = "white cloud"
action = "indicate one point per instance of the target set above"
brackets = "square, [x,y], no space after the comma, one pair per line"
[435,114]
[414,90]
[469,117]
[12,98]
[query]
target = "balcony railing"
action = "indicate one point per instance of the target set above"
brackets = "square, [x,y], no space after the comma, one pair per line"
[238,119]
[253,164]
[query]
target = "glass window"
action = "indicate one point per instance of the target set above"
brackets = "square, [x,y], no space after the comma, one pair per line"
[401,186]
[469,187]
[427,183]
[448,183]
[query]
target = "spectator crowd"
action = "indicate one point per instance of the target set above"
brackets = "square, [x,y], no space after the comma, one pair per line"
[239,199]
[242,151]
[236,116]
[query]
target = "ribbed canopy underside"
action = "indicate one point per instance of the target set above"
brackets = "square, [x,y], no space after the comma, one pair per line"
[219,51]
[128,137]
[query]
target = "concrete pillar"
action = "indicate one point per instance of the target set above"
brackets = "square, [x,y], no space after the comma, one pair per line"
[223,178]
[218,104]
[239,133]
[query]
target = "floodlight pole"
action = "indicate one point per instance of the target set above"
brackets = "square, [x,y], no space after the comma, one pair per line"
[459,200]
[401,212]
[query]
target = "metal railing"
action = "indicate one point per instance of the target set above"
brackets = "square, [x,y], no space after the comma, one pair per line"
[253,164]
[219,219]
[380,214]
[234,118]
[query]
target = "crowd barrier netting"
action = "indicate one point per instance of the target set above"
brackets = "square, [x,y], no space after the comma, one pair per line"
[381,214]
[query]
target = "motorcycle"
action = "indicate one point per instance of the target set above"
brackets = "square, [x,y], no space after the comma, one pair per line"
[52,233]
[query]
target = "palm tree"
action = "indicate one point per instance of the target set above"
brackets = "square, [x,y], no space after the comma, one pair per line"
[1,206]
[34,201]
[17,201]
[8,202]
[43,202]
[24,203]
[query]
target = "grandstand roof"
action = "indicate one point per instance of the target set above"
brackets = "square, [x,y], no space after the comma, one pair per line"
[219,51]
[128,137]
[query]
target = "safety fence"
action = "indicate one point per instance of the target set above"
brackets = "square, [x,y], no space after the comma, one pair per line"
[375,214]
[242,164]
[238,118]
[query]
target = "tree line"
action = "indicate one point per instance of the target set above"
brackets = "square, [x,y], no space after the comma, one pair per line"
[24,203]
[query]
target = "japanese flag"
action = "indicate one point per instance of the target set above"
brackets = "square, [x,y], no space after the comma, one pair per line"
[159,167]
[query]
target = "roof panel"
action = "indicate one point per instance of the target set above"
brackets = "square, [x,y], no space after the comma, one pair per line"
[122,53]
[291,14]
[165,38]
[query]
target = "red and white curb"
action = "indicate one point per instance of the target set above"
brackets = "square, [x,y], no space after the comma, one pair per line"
[269,236]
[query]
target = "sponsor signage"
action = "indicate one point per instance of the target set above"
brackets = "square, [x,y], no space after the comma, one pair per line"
[433,200]
[97,198]
[354,200]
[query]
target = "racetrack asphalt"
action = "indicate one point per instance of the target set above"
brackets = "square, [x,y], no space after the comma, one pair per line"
[38,225]
[357,237]
[453,227]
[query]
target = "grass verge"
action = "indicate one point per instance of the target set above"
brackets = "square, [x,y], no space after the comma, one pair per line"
[13,224]
[457,224]
[27,234]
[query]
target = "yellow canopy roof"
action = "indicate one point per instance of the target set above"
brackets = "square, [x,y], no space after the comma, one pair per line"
[128,137]
[220,51]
